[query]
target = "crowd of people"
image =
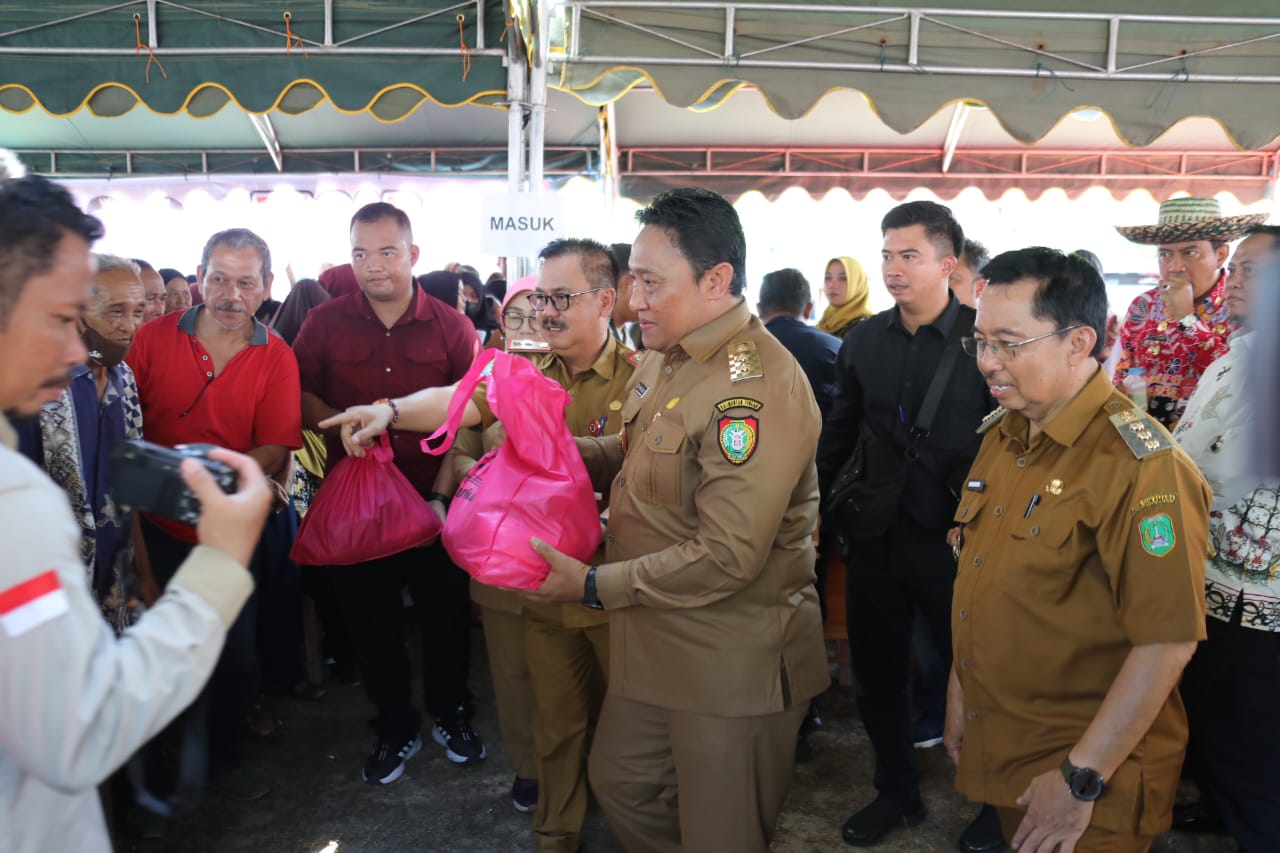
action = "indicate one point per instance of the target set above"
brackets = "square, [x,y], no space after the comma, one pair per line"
[1058,561]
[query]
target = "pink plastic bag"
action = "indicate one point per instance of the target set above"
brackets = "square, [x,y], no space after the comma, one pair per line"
[365,509]
[534,484]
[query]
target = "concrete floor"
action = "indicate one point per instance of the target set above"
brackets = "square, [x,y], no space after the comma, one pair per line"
[319,803]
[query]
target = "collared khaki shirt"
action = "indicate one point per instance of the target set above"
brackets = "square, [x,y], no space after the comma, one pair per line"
[1078,546]
[595,410]
[710,577]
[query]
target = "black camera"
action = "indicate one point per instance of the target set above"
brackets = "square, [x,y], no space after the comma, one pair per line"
[146,478]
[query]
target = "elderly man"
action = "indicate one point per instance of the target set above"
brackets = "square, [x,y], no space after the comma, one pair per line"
[1232,685]
[75,701]
[386,340]
[1078,600]
[1176,329]
[716,637]
[73,437]
[213,374]
[156,293]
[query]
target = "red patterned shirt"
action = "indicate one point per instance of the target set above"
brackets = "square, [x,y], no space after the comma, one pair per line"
[1173,357]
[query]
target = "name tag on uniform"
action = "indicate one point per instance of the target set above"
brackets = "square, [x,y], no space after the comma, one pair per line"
[976,485]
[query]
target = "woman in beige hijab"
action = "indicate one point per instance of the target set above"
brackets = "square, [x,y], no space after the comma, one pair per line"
[847,292]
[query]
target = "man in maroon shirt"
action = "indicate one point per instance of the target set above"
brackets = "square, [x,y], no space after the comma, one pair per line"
[212,374]
[385,341]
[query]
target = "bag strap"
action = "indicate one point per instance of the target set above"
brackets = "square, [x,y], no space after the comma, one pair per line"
[479,372]
[933,396]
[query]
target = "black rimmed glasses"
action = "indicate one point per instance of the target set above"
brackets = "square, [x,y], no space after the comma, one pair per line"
[1002,351]
[539,300]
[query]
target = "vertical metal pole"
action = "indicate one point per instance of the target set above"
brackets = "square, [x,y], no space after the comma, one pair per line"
[479,24]
[517,91]
[913,48]
[538,100]
[328,23]
[730,17]
[151,24]
[1113,44]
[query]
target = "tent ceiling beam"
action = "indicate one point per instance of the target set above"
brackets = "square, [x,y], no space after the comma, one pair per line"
[1127,166]
[921,56]
[267,134]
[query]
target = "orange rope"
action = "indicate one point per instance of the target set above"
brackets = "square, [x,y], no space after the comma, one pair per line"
[139,47]
[463,49]
[290,38]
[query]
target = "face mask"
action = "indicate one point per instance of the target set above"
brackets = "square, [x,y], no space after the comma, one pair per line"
[475,312]
[102,352]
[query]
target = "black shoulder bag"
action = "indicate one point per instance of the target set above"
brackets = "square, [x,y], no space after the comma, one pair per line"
[862,501]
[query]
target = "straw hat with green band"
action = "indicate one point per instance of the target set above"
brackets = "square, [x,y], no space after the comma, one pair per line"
[1188,220]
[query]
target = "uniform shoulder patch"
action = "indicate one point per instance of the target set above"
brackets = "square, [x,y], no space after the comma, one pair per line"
[744,361]
[634,358]
[992,418]
[739,438]
[1156,533]
[1142,434]
[739,403]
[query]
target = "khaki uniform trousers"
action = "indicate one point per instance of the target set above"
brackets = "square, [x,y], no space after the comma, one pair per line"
[504,642]
[1094,840]
[568,669]
[732,774]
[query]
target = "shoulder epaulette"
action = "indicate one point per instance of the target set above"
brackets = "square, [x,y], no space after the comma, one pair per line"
[1140,432]
[634,357]
[744,361]
[993,417]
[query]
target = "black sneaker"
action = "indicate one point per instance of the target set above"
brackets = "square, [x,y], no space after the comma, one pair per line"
[386,763]
[461,744]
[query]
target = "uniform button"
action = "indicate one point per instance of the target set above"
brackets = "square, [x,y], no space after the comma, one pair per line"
[977,561]
[1035,530]
[388,334]
[971,715]
[643,427]
[622,481]
[1022,462]
[964,664]
[964,615]
[657,440]
[388,370]
[205,357]
[964,512]
[667,370]
[608,539]
[209,374]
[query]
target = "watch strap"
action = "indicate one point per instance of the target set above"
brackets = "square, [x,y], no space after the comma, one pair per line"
[591,598]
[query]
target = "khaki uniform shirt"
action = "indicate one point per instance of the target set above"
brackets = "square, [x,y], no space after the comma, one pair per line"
[1077,547]
[710,575]
[76,701]
[595,410]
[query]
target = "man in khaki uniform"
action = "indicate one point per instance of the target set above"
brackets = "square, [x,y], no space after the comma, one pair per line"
[716,638]
[1079,592]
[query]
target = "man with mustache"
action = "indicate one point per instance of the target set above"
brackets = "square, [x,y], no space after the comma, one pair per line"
[73,437]
[213,374]
[1079,593]
[75,700]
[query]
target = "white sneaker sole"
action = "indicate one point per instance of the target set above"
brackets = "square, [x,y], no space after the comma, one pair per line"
[927,744]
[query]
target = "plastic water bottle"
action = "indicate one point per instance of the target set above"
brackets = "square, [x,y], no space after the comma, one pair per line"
[1135,385]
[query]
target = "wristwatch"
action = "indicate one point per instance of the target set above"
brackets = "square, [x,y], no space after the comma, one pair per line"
[1188,321]
[589,596]
[1085,785]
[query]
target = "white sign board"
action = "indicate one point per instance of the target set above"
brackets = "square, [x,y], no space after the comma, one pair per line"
[518,225]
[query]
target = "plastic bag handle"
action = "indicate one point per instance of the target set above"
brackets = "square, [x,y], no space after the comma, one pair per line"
[479,372]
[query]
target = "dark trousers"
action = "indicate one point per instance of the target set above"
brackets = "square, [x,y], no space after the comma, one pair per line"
[888,578]
[232,689]
[370,595]
[279,627]
[1232,692]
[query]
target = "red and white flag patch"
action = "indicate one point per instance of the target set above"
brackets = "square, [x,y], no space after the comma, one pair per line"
[32,603]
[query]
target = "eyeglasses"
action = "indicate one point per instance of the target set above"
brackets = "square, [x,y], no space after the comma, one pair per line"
[514,320]
[1002,351]
[561,301]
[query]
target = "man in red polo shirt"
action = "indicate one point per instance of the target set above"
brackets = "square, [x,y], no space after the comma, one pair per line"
[213,374]
[389,340]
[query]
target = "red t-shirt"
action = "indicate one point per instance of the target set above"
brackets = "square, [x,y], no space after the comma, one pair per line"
[347,357]
[255,401]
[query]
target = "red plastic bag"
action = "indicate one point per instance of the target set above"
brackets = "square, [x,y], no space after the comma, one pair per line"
[534,484]
[365,509]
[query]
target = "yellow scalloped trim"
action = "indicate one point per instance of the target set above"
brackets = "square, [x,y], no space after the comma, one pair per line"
[367,108]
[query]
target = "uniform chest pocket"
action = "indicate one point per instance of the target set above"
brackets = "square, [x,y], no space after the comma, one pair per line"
[351,350]
[1043,555]
[659,479]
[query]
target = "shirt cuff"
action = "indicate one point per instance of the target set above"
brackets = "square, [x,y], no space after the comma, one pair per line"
[613,586]
[217,578]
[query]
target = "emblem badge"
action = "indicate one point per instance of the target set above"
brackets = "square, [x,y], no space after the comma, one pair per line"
[1054,487]
[1157,535]
[739,438]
